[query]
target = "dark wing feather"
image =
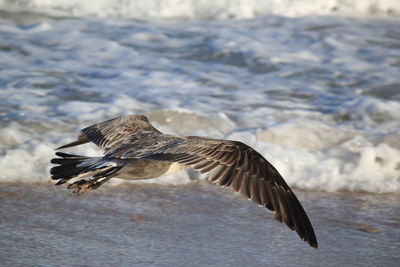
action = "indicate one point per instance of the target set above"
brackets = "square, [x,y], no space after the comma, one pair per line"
[111,133]
[232,164]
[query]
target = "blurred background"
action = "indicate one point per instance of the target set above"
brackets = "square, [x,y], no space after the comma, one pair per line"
[314,86]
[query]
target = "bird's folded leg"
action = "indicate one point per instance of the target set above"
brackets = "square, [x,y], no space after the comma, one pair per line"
[99,181]
[81,186]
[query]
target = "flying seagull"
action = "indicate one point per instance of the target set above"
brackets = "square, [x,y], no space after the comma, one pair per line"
[134,149]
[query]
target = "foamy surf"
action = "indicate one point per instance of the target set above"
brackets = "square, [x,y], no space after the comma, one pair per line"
[317,96]
[195,10]
[314,157]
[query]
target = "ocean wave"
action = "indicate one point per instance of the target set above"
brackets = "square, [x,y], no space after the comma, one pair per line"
[317,96]
[202,10]
[310,154]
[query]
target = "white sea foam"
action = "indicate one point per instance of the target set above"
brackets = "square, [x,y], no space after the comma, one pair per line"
[205,9]
[317,96]
[354,164]
[26,163]
[309,154]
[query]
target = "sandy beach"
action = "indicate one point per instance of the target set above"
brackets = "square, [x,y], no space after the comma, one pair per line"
[197,224]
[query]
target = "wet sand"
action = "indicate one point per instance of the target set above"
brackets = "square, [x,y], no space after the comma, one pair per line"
[198,224]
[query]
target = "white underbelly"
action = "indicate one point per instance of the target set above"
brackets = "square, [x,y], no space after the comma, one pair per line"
[175,167]
[146,169]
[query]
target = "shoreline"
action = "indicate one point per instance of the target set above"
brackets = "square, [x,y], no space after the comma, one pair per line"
[148,224]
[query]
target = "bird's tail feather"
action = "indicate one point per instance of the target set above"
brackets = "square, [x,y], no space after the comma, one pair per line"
[74,166]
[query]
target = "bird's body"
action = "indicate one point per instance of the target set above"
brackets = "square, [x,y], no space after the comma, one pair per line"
[134,149]
[147,169]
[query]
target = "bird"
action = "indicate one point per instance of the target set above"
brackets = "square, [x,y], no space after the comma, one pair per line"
[134,149]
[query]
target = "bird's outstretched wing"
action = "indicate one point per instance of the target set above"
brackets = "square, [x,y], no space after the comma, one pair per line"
[110,133]
[232,164]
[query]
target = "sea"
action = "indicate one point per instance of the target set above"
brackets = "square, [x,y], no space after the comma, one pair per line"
[314,86]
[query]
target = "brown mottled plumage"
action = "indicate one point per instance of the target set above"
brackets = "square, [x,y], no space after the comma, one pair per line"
[134,149]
